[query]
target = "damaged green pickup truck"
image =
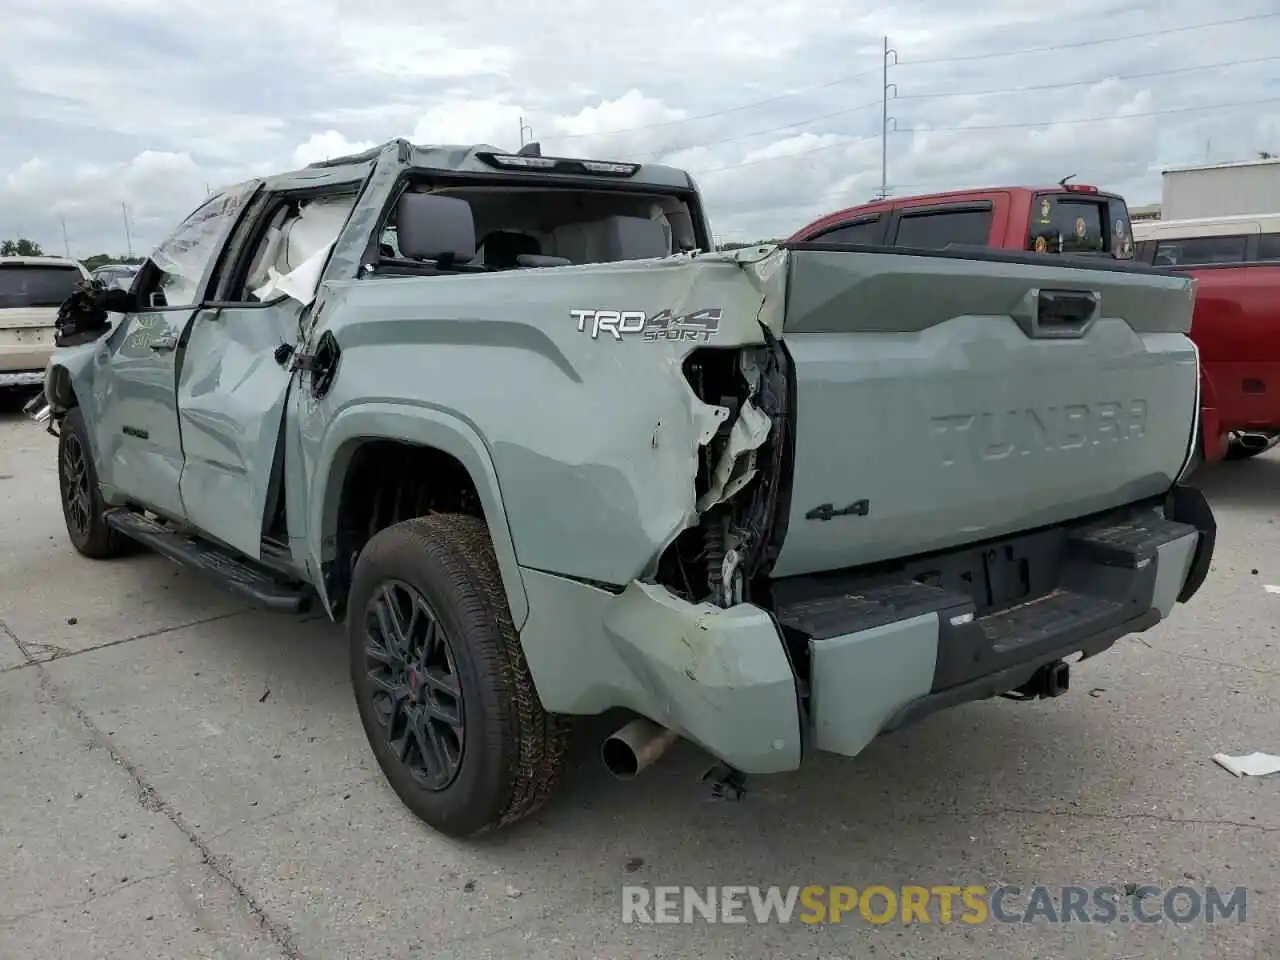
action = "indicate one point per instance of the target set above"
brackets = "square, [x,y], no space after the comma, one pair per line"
[547,455]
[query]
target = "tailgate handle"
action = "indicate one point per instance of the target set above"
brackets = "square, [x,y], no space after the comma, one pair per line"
[1058,314]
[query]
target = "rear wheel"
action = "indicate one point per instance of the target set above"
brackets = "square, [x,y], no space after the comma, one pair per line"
[443,690]
[82,505]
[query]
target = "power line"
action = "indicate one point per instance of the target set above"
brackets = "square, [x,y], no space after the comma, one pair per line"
[1048,48]
[1127,116]
[128,237]
[891,91]
[759,133]
[1088,83]
[787,156]
[998,126]
[720,113]
[849,78]
[885,89]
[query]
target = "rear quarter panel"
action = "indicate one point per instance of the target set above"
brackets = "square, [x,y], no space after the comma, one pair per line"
[593,440]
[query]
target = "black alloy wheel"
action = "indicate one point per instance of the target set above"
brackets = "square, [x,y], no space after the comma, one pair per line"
[445,695]
[73,475]
[416,691]
[82,505]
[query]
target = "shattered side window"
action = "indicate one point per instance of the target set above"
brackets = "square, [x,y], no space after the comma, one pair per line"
[185,255]
[295,254]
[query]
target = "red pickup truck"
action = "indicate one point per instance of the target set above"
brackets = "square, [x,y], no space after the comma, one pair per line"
[1236,263]
[1235,260]
[1070,218]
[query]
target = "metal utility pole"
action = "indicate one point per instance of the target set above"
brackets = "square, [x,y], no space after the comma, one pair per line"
[890,90]
[66,244]
[525,128]
[128,238]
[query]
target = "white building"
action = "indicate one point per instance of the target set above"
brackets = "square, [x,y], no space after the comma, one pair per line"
[1221,189]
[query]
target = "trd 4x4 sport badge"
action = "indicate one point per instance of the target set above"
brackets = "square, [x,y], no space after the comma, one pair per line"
[696,327]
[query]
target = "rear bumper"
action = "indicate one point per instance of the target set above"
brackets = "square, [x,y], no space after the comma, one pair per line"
[923,648]
[23,358]
[1186,506]
[1247,394]
[1018,674]
[755,689]
[24,378]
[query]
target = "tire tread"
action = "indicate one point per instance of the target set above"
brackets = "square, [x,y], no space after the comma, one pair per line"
[460,547]
[104,541]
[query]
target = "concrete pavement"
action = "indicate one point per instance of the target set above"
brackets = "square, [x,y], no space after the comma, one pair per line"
[182,777]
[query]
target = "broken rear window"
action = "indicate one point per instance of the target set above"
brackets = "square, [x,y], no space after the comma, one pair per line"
[36,285]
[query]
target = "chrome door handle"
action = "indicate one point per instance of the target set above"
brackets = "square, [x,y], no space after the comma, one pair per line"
[167,342]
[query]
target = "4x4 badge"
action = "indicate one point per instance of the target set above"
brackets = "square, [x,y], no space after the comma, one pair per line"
[697,326]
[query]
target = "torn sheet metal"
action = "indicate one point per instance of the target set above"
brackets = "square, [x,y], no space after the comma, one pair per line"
[767,269]
[302,248]
[736,466]
[707,420]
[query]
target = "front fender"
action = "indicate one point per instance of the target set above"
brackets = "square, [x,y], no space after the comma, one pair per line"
[408,422]
[69,381]
[70,374]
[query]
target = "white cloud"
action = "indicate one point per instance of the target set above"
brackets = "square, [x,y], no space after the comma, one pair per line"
[774,109]
[326,146]
[469,121]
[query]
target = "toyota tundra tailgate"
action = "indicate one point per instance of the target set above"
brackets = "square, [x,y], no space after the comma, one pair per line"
[944,399]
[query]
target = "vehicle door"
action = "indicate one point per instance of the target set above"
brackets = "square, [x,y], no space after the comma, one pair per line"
[235,374]
[137,436]
[866,229]
[939,226]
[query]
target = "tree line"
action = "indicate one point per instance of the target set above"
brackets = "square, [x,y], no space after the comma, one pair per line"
[22,247]
[753,243]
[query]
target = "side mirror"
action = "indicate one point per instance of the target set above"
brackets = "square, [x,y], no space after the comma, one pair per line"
[115,300]
[434,227]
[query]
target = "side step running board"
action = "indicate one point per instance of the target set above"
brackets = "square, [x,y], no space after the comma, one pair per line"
[244,578]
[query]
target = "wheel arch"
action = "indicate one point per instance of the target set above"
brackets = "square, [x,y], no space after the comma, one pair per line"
[423,428]
[59,389]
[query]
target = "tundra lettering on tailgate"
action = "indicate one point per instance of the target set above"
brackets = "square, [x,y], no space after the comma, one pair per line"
[997,436]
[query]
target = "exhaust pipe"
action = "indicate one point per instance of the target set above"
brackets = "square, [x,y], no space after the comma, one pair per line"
[38,408]
[636,746]
[1255,442]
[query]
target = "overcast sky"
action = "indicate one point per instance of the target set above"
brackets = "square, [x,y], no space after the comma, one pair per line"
[774,106]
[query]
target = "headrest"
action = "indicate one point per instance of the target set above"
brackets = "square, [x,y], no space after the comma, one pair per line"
[502,248]
[631,238]
[434,227]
